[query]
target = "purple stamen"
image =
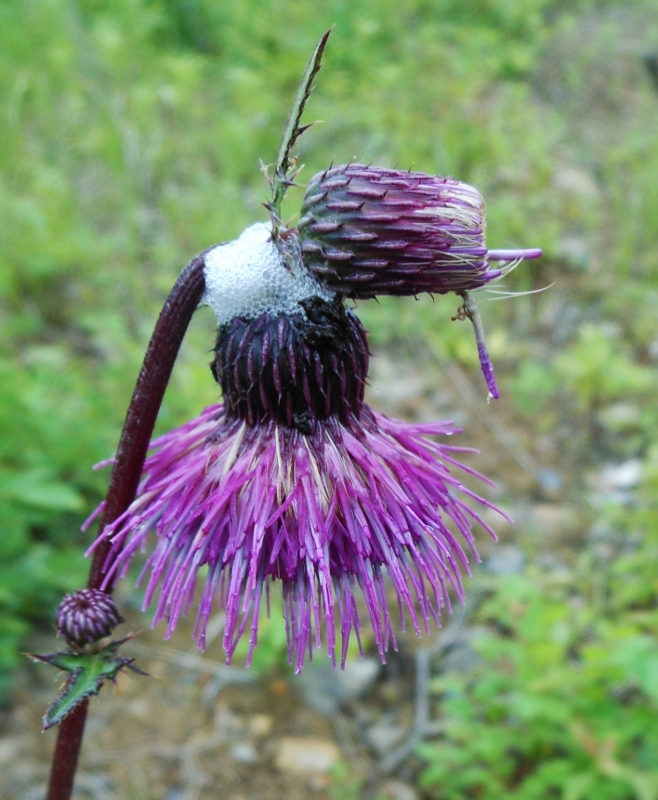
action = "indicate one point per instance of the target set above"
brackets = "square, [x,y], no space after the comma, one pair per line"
[514,255]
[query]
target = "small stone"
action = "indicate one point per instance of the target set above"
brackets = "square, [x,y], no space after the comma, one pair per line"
[396,790]
[383,738]
[621,476]
[300,756]
[325,688]
[260,725]
[244,753]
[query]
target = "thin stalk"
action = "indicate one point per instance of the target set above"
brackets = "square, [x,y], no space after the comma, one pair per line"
[142,412]
[282,179]
[470,310]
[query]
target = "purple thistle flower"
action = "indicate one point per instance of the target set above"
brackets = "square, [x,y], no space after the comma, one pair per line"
[294,477]
[87,616]
[367,231]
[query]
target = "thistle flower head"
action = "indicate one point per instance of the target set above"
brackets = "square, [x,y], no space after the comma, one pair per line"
[328,514]
[87,616]
[293,477]
[367,231]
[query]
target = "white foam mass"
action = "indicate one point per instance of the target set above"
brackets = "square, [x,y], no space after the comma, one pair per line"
[248,276]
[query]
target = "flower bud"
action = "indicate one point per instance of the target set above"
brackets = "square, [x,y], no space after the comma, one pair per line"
[367,231]
[87,616]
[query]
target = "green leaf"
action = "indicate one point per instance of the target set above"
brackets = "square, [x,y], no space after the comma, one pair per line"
[87,674]
[645,784]
[576,787]
[282,180]
[37,489]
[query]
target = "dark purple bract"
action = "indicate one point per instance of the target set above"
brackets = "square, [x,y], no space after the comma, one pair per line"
[367,231]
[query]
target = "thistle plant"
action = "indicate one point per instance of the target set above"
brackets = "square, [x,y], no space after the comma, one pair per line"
[293,477]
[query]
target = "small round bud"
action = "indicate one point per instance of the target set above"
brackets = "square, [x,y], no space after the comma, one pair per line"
[87,616]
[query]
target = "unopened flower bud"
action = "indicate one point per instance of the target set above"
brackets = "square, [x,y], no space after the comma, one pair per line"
[367,231]
[87,616]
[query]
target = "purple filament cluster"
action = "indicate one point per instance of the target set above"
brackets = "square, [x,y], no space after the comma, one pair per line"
[328,514]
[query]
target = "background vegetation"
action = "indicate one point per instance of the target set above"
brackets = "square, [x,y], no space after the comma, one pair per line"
[130,139]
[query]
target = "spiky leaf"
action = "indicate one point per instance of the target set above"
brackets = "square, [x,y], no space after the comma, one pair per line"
[87,673]
[284,163]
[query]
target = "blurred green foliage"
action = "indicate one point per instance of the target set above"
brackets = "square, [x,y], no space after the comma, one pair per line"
[563,699]
[130,139]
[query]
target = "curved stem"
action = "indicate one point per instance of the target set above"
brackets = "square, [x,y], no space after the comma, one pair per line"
[142,412]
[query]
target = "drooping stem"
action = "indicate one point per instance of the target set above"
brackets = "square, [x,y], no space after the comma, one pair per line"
[142,412]
[471,311]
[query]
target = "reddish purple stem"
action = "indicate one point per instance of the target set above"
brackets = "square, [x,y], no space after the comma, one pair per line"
[143,410]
